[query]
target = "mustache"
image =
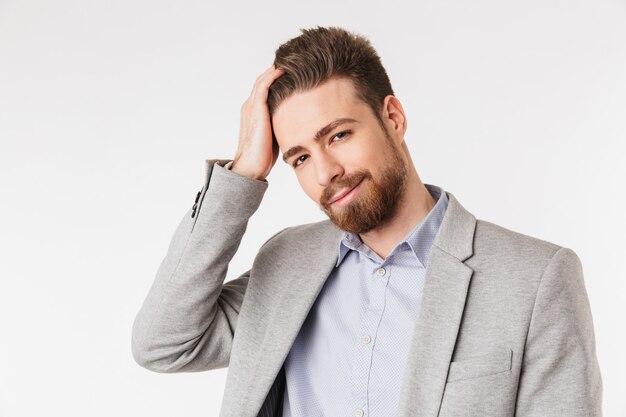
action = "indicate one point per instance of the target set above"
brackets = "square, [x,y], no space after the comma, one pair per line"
[344,183]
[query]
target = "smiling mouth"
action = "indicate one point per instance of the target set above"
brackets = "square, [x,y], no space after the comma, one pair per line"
[348,196]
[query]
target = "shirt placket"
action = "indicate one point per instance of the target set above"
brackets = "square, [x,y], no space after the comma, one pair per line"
[377,274]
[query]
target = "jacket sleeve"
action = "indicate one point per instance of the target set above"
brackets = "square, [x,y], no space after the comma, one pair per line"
[560,375]
[188,319]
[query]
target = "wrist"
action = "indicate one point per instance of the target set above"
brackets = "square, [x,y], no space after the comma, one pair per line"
[242,170]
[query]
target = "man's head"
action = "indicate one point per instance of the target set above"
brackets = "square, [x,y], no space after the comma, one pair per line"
[320,54]
[338,124]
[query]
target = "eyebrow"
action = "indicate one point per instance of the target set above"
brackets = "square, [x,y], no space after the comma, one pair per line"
[319,135]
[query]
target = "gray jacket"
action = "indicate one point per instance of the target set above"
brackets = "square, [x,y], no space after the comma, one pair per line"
[505,327]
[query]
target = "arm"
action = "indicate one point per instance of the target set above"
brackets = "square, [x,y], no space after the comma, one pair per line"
[188,319]
[560,374]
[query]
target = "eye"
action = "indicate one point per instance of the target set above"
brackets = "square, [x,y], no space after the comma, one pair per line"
[345,133]
[299,159]
[338,137]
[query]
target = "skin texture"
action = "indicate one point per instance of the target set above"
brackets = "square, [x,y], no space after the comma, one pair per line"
[257,151]
[391,200]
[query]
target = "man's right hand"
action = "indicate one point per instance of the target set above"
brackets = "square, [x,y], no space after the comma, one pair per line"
[257,151]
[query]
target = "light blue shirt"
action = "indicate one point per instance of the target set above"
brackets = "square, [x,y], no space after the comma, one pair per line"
[349,356]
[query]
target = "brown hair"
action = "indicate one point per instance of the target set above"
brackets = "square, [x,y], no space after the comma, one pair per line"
[322,53]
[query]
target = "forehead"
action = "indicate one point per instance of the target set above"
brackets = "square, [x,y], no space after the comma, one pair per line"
[299,117]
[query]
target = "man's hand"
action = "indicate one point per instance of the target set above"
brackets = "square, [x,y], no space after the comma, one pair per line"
[257,151]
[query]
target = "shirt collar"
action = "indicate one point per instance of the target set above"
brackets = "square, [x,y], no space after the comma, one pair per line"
[420,239]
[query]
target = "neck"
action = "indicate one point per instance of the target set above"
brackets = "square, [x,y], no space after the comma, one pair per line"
[414,206]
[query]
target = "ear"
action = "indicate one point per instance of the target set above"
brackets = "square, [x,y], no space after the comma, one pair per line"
[394,117]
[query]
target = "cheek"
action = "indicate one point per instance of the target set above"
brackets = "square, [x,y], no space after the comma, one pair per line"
[359,155]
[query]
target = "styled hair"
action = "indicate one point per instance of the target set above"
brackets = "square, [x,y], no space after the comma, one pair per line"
[322,53]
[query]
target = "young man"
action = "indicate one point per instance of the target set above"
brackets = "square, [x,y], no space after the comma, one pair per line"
[401,304]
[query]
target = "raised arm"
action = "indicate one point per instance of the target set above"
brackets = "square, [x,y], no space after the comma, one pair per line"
[188,319]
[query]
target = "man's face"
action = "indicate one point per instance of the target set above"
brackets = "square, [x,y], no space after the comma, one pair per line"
[354,154]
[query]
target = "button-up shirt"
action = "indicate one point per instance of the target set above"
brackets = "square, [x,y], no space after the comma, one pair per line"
[349,356]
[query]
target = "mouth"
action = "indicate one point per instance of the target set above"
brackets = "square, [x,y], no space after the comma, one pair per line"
[348,196]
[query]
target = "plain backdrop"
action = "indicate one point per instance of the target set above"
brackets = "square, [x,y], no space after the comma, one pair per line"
[108,110]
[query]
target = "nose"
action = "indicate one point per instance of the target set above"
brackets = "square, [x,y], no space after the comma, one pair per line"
[327,169]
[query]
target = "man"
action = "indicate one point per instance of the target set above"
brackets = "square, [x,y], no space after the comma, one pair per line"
[401,304]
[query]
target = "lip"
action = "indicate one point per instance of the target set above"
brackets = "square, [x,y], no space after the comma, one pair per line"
[346,197]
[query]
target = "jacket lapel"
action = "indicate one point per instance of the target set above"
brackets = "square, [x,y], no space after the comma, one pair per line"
[446,284]
[311,262]
[436,328]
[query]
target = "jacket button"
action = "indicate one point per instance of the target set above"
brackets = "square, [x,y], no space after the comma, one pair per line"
[195,204]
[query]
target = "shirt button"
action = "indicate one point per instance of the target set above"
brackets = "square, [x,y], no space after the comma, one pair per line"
[367,339]
[359,413]
[381,271]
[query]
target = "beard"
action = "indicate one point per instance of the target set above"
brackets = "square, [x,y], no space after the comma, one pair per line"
[377,201]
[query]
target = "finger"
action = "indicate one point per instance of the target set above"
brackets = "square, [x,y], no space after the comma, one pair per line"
[271,72]
[261,87]
[267,70]
[261,79]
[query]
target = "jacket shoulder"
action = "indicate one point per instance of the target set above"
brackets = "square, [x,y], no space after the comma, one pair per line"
[511,262]
[302,236]
[492,241]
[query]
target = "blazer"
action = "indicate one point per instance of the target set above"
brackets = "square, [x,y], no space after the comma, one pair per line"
[504,328]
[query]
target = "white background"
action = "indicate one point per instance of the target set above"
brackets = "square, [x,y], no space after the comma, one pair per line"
[108,110]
